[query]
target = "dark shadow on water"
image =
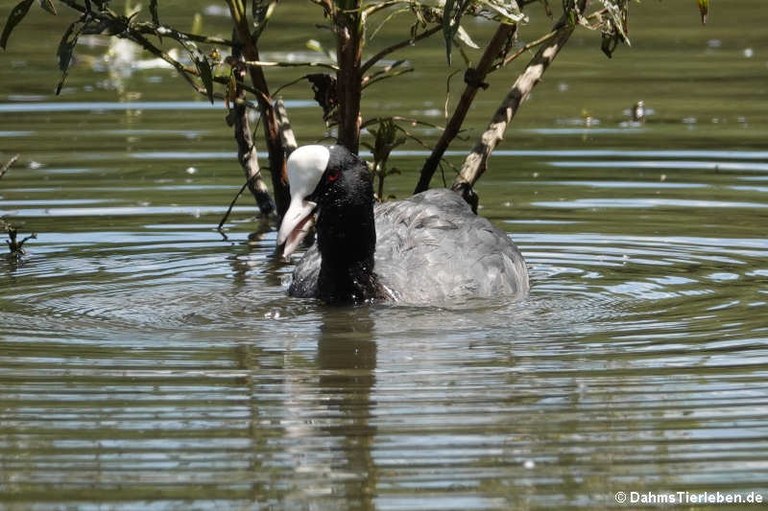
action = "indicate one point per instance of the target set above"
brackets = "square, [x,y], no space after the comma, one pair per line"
[311,412]
[346,358]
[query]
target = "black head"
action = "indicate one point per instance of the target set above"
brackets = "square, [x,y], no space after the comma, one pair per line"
[346,182]
[336,185]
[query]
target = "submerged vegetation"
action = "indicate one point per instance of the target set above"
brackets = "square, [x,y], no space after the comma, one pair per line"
[15,245]
[230,69]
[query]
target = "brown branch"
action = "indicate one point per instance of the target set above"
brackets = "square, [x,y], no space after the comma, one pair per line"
[157,52]
[246,150]
[348,28]
[269,121]
[476,162]
[474,82]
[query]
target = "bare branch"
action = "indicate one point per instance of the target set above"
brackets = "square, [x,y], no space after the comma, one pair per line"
[177,35]
[7,165]
[264,63]
[474,81]
[286,130]
[402,44]
[241,33]
[348,28]
[476,162]
[246,153]
[533,44]
[380,6]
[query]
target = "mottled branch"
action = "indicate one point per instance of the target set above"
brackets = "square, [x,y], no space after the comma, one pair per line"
[246,150]
[476,162]
[474,81]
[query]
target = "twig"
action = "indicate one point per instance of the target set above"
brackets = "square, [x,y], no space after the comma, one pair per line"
[476,162]
[148,28]
[263,63]
[380,6]
[178,66]
[289,84]
[541,40]
[16,248]
[224,219]
[327,5]
[474,81]
[7,165]
[402,44]
[378,77]
[399,118]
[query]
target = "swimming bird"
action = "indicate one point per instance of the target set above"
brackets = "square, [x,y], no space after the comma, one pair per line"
[427,249]
[638,112]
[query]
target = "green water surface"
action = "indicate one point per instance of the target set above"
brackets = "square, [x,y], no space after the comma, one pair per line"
[146,362]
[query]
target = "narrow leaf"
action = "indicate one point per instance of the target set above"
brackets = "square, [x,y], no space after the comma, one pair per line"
[67,44]
[16,15]
[507,13]
[314,45]
[463,36]
[67,48]
[448,22]
[452,14]
[206,74]
[197,24]
[262,11]
[47,5]
[153,12]
[609,43]
[704,10]
[547,8]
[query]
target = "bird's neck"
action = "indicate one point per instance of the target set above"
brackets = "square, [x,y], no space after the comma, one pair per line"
[347,242]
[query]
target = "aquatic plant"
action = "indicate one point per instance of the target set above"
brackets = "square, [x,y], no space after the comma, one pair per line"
[15,246]
[240,78]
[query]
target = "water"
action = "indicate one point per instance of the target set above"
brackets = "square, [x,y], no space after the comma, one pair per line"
[146,362]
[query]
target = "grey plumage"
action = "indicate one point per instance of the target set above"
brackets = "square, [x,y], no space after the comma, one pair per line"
[431,248]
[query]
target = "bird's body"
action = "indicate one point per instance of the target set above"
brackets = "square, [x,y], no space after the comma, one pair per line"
[427,249]
[431,248]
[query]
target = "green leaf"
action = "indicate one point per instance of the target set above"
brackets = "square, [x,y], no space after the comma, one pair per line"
[262,11]
[452,13]
[197,24]
[506,13]
[609,43]
[314,45]
[448,28]
[67,48]
[153,12]
[206,73]
[47,5]
[16,15]
[463,36]
[704,10]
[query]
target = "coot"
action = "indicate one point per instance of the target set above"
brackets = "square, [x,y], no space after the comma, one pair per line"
[427,249]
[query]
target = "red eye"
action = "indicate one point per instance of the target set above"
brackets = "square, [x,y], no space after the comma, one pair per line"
[332,175]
